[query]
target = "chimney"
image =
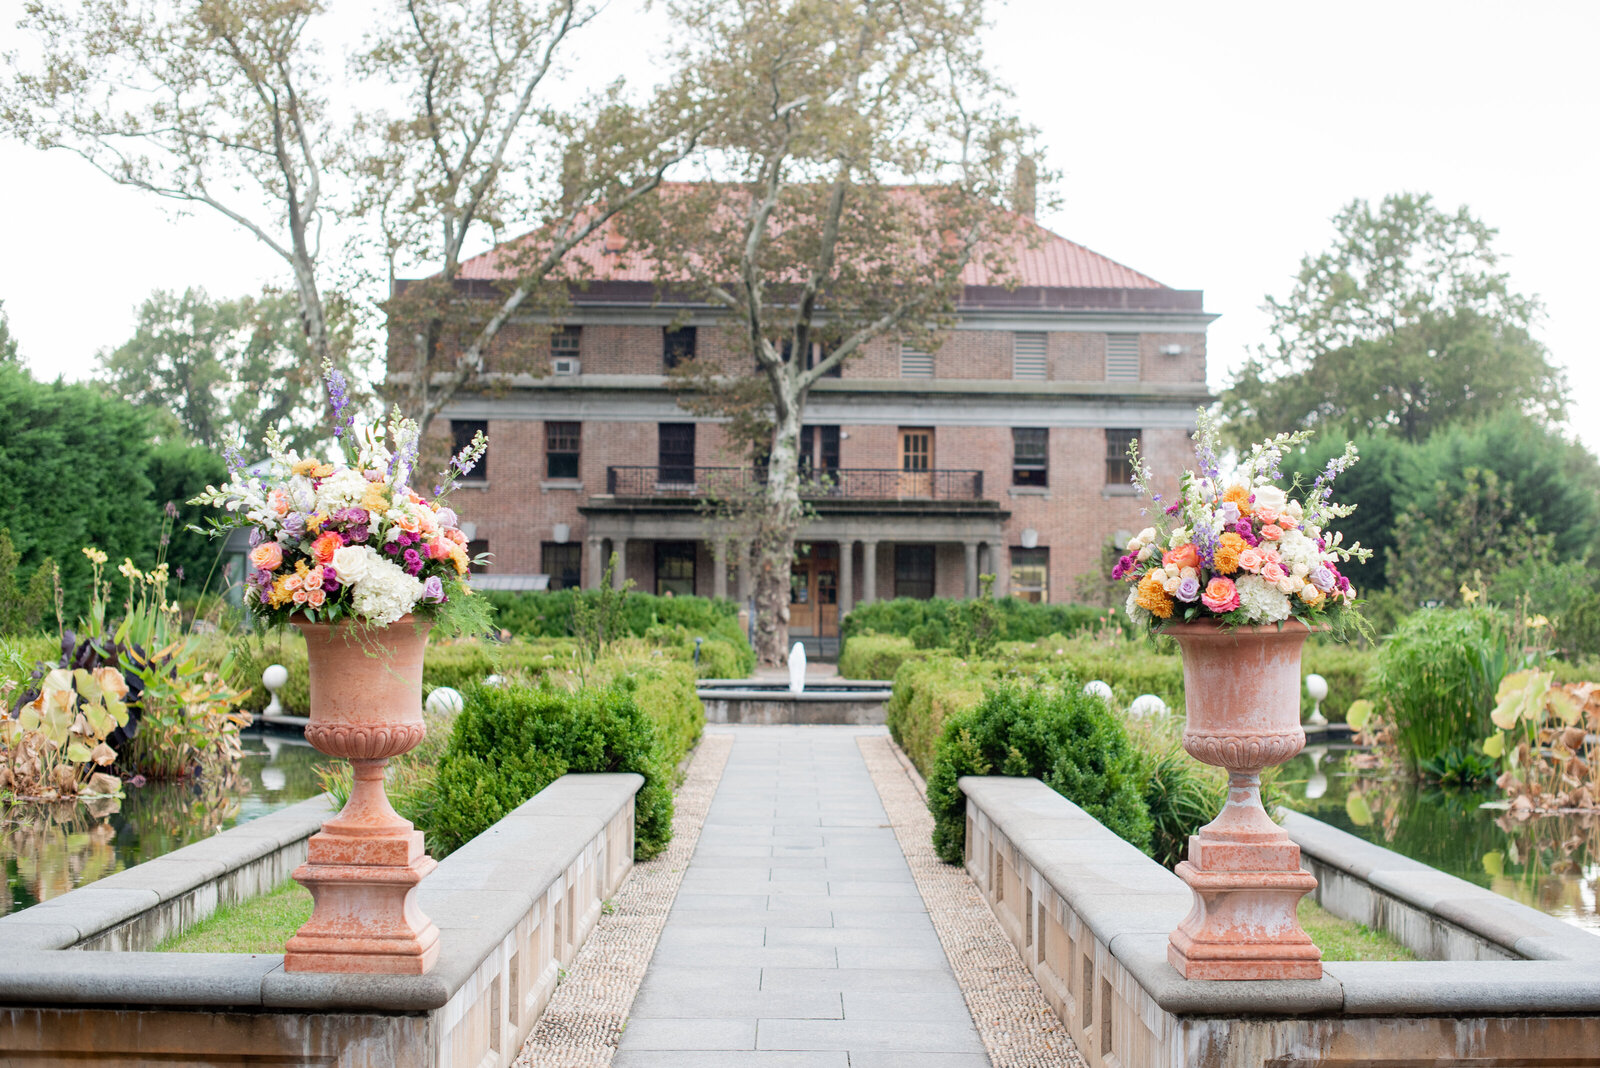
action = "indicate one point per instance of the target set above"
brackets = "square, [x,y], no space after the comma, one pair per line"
[1025,196]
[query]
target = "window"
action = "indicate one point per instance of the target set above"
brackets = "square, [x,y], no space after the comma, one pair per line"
[474,549]
[675,568]
[1028,356]
[562,562]
[561,449]
[1122,357]
[675,452]
[565,341]
[913,571]
[1030,456]
[677,346]
[1030,574]
[819,449]
[915,363]
[1119,469]
[461,434]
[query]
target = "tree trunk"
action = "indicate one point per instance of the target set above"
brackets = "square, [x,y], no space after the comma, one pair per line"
[779,522]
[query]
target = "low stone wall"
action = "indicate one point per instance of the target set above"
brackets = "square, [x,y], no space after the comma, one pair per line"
[512,907]
[1436,915]
[1090,916]
[137,908]
[837,701]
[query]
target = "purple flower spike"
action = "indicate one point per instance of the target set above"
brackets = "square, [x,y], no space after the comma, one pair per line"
[339,399]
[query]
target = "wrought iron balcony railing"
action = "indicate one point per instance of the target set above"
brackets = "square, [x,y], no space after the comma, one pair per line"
[848,483]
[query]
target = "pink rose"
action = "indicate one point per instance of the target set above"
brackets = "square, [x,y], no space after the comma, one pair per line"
[1251,559]
[1272,572]
[1271,532]
[1220,595]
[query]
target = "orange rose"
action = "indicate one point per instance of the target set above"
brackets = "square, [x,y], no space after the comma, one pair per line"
[324,547]
[1271,532]
[268,556]
[1185,555]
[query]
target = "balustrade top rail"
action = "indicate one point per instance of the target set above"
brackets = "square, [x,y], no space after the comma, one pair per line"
[851,483]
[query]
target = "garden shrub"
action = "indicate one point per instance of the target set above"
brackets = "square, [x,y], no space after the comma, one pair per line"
[926,692]
[510,742]
[1074,743]
[927,622]
[1436,680]
[549,614]
[876,656]
[1129,668]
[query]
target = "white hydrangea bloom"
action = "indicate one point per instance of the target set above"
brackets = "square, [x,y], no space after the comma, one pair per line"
[1299,552]
[340,490]
[1262,601]
[385,593]
[1138,615]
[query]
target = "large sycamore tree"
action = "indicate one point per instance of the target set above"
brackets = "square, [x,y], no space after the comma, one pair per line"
[213,104]
[1407,323]
[478,147]
[855,165]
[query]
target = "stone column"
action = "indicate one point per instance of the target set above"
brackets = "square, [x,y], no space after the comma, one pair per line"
[971,552]
[869,572]
[619,546]
[847,576]
[719,569]
[597,563]
[1002,570]
[741,556]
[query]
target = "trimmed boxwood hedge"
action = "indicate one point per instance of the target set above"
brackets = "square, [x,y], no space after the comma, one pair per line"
[927,622]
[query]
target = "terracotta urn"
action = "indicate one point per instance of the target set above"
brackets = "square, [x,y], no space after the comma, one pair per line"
[363,867]
[1242,689]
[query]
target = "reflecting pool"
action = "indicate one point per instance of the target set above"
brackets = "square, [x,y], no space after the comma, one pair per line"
[1549,862]
[62,847]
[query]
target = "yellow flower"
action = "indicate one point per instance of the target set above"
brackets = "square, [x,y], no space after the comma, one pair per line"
[1535,622]
[1468,594]
[1152,596]
[376,499]
[127,570]
[94,555]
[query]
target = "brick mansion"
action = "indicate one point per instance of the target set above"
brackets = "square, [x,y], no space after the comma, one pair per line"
[1003,452]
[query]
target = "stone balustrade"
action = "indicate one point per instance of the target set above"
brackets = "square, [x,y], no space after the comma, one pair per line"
[512,906]
[1090,916]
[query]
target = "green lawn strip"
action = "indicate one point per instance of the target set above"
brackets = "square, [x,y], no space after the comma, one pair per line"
[1343,940]
[260,925]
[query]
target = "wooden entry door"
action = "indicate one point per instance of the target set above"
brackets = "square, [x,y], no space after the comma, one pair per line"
[916,462]
[814,592]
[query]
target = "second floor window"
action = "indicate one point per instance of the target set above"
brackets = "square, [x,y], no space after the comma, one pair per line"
[819,449]
[565,342]
[1030,456]
[461,434]
[675,452]
[677,346]
[1119,469]
[561,449]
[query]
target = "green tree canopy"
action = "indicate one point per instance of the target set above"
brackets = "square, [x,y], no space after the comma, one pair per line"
[8,340]
[1406,323]
[225,370]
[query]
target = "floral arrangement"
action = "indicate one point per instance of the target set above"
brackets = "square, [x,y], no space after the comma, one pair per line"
[350,538]
[1239,549]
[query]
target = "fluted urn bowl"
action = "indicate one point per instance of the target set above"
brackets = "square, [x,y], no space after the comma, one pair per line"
[1241,686]
[366,687]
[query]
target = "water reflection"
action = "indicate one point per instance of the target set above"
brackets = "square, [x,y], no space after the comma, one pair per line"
[1549,862]
[49,850]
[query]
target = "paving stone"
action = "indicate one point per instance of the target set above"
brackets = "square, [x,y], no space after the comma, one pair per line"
[740,1059]
[880,957]
[897,980]
[690,1034]
[660,1001]
[921,1036]
[688,934]
[870,1005]
[746,956]
[918,935]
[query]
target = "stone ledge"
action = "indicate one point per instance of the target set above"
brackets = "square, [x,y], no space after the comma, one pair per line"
[1510,926]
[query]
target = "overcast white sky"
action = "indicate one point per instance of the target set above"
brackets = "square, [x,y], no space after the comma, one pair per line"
[1204,144]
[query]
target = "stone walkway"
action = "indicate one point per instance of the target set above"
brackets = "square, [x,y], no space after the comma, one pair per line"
[799,938]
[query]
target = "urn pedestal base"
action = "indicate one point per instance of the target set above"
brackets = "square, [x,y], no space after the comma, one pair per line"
[362,869]
[1247,883]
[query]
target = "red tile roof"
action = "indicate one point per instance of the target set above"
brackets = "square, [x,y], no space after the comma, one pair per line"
[1053,262]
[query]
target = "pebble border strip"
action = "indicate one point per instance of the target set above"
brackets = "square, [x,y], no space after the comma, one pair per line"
[1017,1025]
[583,1023]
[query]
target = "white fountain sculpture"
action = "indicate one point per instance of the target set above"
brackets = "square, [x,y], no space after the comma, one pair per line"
[443,701]
[797,668]
[1147,704]
[1317,690]
[1097,688]
[274,679]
